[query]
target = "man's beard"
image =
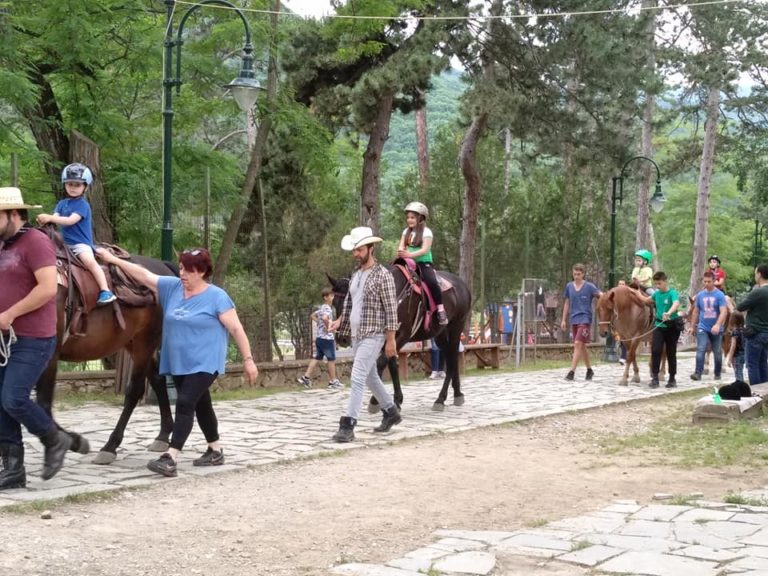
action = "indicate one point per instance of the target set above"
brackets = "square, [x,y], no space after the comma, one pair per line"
[363,262]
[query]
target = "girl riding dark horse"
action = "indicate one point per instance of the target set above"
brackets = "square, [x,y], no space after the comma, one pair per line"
[411,316]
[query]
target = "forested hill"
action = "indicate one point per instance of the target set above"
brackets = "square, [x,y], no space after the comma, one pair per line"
[442,108]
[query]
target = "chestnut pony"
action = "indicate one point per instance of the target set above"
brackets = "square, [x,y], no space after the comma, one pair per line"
[620,309]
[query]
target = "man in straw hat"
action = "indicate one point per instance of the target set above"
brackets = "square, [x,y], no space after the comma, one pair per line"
[28,331]
[369,315]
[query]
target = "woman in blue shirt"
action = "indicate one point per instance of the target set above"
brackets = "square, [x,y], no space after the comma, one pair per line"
[197,319]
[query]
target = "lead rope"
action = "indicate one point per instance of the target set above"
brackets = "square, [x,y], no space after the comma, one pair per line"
[5,346]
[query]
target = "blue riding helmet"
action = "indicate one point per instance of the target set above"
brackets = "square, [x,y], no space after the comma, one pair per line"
[77,173]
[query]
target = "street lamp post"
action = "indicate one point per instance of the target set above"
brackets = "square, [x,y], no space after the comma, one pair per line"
[617,196]
[244,89]
[757,249]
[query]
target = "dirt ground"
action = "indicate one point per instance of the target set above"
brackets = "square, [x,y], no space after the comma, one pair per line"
[368,505]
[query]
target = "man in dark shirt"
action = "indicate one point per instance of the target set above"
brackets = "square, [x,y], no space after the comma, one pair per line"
[756,330]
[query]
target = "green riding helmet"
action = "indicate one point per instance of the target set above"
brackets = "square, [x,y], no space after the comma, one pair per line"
[645,255]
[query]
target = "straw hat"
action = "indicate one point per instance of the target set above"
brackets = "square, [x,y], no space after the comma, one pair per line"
[357,237]
[10,199]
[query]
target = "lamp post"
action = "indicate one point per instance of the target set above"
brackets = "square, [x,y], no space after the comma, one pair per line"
[244,89]
[617,196]
[757,248]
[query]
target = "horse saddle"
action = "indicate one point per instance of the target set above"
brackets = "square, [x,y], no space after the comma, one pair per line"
[83,291]
[411,272]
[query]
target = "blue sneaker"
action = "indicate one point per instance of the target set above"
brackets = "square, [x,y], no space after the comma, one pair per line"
[105,297]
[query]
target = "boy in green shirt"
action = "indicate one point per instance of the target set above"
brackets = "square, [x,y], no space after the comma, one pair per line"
[667,329]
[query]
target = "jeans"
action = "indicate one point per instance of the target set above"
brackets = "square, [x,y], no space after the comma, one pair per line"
[757,358]
[29,358]
[194,399]
[437,360]
[738,366]
[703,339]
[366,352]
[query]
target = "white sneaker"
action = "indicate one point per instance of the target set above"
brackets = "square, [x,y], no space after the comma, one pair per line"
[622,361]
[434,375]
[335,385]
[441,375]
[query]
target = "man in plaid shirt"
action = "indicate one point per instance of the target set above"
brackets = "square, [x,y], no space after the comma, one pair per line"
[369,315]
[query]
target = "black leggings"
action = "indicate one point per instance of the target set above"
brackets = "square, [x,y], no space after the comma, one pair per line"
[194,398]
[427,273]
[662,336]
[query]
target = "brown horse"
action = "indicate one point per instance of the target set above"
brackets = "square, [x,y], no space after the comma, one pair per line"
[102,337]
[621,309]
[410,314]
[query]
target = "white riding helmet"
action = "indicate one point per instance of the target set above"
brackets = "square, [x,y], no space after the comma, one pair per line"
[418,208]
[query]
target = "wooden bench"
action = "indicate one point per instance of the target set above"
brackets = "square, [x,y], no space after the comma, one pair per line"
[487,355]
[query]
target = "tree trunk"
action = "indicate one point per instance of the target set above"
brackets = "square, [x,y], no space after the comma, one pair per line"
[422,142]
[702,198]
[467,242]
[45,122]
[642,239]
[254,166]
[85,150]
[372,162]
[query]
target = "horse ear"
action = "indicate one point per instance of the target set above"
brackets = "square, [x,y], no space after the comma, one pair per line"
[331,279]
[611,294]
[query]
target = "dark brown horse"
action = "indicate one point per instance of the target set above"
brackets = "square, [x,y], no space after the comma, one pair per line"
[410,313]
[101,337]
[621,309]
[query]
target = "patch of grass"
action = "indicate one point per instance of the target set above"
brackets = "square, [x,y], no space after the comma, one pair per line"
[682,500]
[537,523]
[432,572]
[38,506]
[247,393]
[733,498]
[70,400]
[702,521]
[675,440]
[580,545]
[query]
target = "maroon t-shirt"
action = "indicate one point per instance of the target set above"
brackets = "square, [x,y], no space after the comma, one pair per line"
[18,263]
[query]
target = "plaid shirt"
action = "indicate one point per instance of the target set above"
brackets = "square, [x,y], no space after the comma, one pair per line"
[379,313]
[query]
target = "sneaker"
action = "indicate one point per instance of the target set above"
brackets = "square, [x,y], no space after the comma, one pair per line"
[622,361]
[590,373]
[434,375]
[304,381]
[695,377]
[570,375]
[211,457]
[105,297]
[335,385]
[442,319]
[163,465]
[654,383]
[672,383]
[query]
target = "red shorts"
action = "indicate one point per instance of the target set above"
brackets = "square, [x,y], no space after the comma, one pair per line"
[581,333]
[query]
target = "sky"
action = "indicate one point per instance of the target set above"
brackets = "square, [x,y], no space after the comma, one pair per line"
[314,8]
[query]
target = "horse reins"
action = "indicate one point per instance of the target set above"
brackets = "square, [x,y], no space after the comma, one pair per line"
[616,315]
[5,346]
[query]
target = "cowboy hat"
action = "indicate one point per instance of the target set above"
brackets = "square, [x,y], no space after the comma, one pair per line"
[10,199]
[357,237]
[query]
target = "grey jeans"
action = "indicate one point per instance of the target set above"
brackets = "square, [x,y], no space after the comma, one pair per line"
[366,352]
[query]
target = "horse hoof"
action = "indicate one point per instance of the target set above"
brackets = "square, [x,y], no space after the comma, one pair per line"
[458,400]
[623,383]
[373,408]
[438,407]
[636,379]
[158,446]
[104,458]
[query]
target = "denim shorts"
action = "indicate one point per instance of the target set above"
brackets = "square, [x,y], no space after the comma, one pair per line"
[325,348]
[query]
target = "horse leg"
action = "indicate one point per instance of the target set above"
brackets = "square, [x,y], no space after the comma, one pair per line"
[44,389]
[397,389]
[458,397]
[635,367]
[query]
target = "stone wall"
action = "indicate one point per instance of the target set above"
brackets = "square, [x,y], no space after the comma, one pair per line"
[284,374]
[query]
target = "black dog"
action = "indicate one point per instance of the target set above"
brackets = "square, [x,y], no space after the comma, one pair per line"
[735,391]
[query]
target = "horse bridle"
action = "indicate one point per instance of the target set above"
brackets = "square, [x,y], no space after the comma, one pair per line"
[616,315]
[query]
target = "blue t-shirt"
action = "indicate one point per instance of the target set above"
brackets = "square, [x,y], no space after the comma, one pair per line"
[194,339]
[709,305]
[580,310]
[82,232]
